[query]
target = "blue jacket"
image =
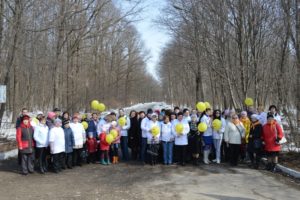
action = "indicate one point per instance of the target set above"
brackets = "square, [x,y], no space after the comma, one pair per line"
[69,140]
[93,128]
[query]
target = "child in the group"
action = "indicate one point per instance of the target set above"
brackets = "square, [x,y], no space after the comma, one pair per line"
[91,144]
[104,147]
[167,138]
[116,143]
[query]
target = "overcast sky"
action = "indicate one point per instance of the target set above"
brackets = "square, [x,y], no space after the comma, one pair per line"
[153,37]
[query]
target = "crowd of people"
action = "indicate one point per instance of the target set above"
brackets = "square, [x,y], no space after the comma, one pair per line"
[58,141]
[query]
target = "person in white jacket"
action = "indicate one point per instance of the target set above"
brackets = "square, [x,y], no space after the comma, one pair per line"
[218,135]
[144,125]
[207,136]
[153,140]
[57,145]
[79,140]
[167,138]
[181,139]
[124,136]
[41,137]
[233,135]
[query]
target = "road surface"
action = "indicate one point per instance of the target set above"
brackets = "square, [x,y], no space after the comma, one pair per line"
[134,181]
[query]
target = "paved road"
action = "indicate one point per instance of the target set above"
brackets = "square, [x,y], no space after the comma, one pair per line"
[133,181]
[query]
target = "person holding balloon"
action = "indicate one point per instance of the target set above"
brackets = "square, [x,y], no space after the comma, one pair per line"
[246,123]
[153,137]
[124,134]
[181,128]
[218,125]
[115,132]
[105,142]
[207,137]
[167,138]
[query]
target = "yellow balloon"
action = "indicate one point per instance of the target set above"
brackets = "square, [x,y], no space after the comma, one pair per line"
[217,124]
[249,102]
[122,121]
[202,127]
[114,133]
[35,120]
[109,138]
[179,128]
[201,106]
[207,104]
[94,104]
[155,130]
[85,125]
[101,107]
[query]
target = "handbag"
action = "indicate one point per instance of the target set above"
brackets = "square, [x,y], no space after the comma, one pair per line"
[282,140]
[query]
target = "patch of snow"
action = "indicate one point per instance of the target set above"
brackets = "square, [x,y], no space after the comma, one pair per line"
[8,154]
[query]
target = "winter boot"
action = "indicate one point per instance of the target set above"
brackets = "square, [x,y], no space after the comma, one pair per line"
[103,162]
[205,157]
[117,159]
[108,161]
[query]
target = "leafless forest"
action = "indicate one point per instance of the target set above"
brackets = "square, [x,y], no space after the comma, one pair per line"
[226,50]
[65,53]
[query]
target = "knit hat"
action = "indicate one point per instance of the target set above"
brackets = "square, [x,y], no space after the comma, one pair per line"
[154,114]
[51,115]
[114,123]
[244,113]
[25,117]
[254,116]
[40,113]
[56,121]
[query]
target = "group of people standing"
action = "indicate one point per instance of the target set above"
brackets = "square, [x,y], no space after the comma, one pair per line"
[59,141]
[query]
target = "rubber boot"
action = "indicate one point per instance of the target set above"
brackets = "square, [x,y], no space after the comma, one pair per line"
[117,159]
[205,157]
[103,162]
[108,162]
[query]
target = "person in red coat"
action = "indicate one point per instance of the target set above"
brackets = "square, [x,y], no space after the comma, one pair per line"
[104,147]
[271,135]
[91,144]
[24,137]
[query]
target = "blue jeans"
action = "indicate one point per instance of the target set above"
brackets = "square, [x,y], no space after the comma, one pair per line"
[143,149]
[168,152]
[124,148]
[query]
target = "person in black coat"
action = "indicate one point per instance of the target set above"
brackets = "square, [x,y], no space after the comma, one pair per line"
[194,139]
[134,135]
[255,143]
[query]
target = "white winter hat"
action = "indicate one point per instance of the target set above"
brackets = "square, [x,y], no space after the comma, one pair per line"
[40,113]
[254,116]
[154,114]
[114,123]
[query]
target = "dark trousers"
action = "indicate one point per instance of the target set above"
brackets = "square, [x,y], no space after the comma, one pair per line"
[115,149]
[41,153]
[234,153]
[92,157]
[225,152]
[58,159]
[124,148]
[143,149]
[181,149]
[68,159]
[77,157]
[255,157]
[27,162]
